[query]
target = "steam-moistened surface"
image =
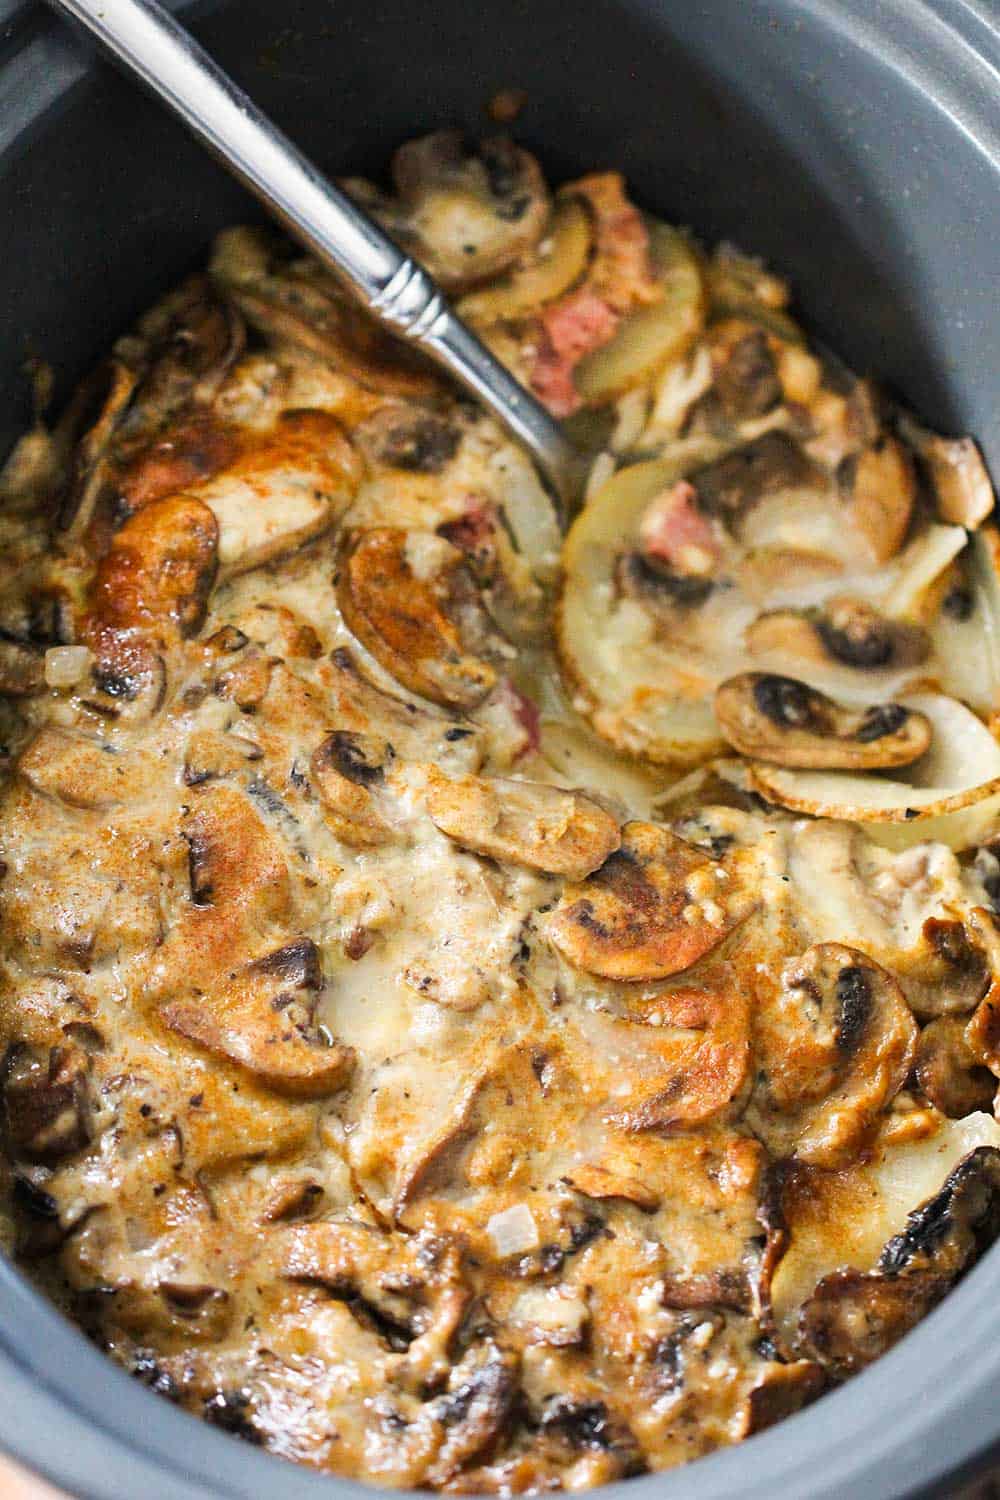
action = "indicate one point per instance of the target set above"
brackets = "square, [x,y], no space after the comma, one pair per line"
[402,1068]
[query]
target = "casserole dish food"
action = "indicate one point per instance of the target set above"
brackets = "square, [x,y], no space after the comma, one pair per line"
[590,831]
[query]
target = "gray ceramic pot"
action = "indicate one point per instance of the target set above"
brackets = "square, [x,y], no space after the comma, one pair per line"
[856,143]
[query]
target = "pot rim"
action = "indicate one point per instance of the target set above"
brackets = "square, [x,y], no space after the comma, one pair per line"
[923,1415]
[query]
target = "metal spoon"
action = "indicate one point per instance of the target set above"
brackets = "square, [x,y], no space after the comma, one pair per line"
[399,293]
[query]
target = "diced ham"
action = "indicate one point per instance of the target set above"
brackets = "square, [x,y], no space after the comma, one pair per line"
[675,530]
[474,530]
[620,276]
[571,328]
[622,273]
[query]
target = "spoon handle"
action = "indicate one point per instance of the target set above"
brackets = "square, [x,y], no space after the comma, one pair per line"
[399,293]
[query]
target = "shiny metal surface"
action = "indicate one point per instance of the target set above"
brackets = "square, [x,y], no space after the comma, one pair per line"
[151,44]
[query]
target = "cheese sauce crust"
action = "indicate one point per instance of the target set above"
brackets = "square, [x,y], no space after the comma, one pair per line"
[402,1069]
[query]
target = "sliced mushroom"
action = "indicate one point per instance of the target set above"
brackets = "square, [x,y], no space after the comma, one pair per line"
[853,1317]
[654,908]
[172,365]
[947,971]
[783,720]
[844,1042]
[413,731]
[673,1059]
[46,1102]
[952,795]
[846,632]
[160,568]
[732,485]
[262,1017]
[283,489]
[950,1072]
[878,490]
[297,302]
[779,1392]
[409,438]
[745,372]
[219,981]
[344,769]
[529,823]
[82,773]
[411,601]
[603,1183]
[957,473]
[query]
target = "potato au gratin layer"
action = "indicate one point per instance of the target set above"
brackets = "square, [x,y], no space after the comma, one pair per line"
[484,1009]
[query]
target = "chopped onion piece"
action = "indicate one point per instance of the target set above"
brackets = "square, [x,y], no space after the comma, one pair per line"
[65,666]
[513,1230]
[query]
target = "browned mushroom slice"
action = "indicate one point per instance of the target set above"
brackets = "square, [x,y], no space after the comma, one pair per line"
[411,601]
[83,773]
[878,489]
[835,1049]
[731,486]
[297,302]
[853,1317]
[957,473]
[466,216]
[947,972]
[262,1018]
[847,631]
[603,1183]
[281,490]
[528,823]
[344,769]
[218,980]
[160,568]
[654,908]
[414,731]
[410,438]
[779,1392]
[949,1070]
[781,719]
[46,1102]
[167,371]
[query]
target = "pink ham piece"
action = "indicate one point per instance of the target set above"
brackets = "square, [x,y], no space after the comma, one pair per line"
[675,530]
[571,328]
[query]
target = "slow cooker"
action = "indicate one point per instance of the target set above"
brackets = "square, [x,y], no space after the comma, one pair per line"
[854,143]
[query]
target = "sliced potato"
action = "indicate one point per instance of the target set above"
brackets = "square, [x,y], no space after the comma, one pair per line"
[623,681]
[952,793]
[655,335]
[560,261]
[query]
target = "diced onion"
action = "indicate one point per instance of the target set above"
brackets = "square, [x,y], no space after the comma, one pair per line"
[513,1230]
[65,666]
